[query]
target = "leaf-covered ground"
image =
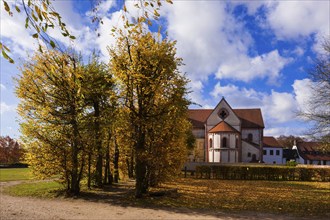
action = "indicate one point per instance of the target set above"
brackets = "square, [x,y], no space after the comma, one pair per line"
[305,199]
[296,198]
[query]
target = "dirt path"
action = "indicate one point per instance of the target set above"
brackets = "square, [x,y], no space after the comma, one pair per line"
[32,208]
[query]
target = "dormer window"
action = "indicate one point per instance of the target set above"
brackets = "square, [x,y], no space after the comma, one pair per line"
[223,113]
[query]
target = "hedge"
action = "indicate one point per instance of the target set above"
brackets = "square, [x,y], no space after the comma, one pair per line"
[245,172]
[14,165]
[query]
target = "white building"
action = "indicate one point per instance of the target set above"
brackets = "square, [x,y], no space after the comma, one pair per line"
[226,135]
[272,151]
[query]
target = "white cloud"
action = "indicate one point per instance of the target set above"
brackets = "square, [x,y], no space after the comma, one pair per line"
[102,9]
[202,40]
[6,108]
[277,107]
[3,87]
[303,92]
[293,19]
[298,51]
[285,130]
[244,68]
[14,34]
[215,42]
[280,107]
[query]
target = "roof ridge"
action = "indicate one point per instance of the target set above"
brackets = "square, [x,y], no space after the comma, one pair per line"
[231,127]
[246,108]
[201,109]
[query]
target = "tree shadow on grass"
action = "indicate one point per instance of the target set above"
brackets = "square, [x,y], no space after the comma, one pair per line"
[123,195]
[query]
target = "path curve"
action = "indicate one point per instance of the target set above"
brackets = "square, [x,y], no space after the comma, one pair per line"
[59,208]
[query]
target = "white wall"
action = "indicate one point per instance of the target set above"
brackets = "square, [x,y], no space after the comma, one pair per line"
[247,148]
[273,159]
[254,132]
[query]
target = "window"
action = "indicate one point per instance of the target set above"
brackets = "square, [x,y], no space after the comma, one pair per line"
[250,137]
[265,152]
[271,152]
[277,152]
[224,142]
[223,113]
[249,154]
[211,144]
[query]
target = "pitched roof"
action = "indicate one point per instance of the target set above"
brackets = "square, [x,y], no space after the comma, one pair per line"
[223,127]
[198,116]
[251,118]
[311,151]
[270,142]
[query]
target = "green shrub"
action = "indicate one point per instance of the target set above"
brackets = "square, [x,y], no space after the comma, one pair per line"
[291,163]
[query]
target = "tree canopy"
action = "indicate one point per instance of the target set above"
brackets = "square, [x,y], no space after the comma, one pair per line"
[153,91]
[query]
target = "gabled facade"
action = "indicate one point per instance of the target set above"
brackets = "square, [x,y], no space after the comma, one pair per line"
[226,135]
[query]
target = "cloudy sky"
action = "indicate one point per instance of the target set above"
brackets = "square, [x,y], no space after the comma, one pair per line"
[256,54]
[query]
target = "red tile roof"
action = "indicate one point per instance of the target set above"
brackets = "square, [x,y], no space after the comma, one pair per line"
[198,116]
[251,118]
[270,142]
[311,151]
[223,127]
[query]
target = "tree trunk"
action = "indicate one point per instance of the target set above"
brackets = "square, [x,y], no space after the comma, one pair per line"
[89,170]
[107,171]
[74,189]
[98,143]
[116,163]
[140,170]
[140,166]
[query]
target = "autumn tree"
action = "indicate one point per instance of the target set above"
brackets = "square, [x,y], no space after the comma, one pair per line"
[52,108]
[10,151]
[98,88]
[153,93]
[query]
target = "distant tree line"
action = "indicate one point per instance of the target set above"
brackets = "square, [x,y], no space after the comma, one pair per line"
[11,151]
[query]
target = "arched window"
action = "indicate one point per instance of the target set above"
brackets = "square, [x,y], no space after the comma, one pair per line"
[211,144]
[250,137]
[224,142]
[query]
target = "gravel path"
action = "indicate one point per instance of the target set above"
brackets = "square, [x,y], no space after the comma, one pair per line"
[32,208]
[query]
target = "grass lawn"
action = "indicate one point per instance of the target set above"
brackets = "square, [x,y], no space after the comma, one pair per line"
[46,189]
[11,174]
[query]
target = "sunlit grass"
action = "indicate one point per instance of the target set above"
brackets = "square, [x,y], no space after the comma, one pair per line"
[47,189]
[12,174]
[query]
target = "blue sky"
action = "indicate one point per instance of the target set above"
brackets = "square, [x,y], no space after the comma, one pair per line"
[254,53]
